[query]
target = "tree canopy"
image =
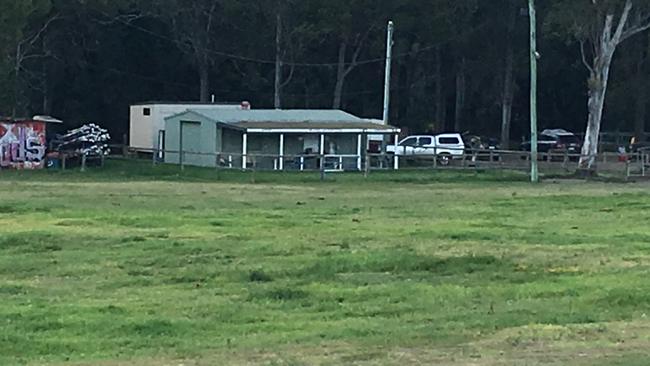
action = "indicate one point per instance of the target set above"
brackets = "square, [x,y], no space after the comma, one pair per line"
[459,64]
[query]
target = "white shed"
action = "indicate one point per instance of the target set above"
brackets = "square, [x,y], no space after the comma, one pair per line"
[146,120]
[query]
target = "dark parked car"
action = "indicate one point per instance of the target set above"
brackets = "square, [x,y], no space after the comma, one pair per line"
[556,141]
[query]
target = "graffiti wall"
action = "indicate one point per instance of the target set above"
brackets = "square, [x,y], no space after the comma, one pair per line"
[22,145]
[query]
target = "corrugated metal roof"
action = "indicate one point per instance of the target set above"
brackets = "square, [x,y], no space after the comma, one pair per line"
[321,125]
[303,120]
[162,102]
[45,119]
[279,115]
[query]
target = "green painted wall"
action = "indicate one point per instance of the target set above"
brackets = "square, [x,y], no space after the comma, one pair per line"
[199,137]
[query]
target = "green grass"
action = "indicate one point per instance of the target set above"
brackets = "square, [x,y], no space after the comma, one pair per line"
[150,266]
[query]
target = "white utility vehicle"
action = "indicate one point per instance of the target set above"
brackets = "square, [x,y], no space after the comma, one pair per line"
[446,147]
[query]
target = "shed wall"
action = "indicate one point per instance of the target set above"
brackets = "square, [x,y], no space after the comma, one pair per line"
[200,139]
[143,130]
[23,145]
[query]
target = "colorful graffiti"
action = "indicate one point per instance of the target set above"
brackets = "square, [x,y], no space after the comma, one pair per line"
[22,145]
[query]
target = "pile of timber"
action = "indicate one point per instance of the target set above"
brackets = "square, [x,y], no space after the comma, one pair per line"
[88,140]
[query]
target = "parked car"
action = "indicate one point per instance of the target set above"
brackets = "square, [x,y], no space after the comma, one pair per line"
[445,146]
[556,141]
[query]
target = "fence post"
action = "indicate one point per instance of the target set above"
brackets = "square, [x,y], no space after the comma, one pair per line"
[322,167]
[181,157]
[155,157]
[254,167]
[83,162]
[218,166]
[366,170]
[125,146]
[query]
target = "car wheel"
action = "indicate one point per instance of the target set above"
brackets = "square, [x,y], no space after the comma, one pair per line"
[444,159]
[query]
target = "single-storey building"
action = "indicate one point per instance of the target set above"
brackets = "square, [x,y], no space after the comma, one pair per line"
[23,142]
[147,119]
[270,139]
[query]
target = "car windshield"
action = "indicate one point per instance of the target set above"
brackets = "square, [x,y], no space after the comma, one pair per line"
[569,139]
[411,141]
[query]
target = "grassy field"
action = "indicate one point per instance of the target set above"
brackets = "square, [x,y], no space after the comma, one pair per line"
[134,265]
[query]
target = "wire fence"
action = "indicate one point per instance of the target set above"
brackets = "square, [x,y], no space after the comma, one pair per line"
[553,163]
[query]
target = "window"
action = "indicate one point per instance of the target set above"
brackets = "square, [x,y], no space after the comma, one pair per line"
[426,141]
[449,141]
[569,139]
[411,141]
[146,112]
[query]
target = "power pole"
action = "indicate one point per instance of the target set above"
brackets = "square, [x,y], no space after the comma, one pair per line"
[534,169]
[389,60]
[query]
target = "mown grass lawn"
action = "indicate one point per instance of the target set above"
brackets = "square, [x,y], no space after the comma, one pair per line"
[134,265]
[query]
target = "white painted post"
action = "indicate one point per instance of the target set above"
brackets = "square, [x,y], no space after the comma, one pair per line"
[322,144]
[322,152]
[302,163]
[281,151]
[396,150]
[244,152]
[389,58]
[359,142]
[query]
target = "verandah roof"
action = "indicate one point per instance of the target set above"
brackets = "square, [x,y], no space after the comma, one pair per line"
[314,127]
[291,121]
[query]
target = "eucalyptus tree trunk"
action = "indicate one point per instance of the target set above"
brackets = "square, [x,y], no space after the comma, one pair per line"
[277,102]
[340,76]
[508,97]
[640,112]
[596,105]
[603,52]
[440,98]
[460,96]
[604,47]
[344,68]
[508,80]
[641,105]
[204,81]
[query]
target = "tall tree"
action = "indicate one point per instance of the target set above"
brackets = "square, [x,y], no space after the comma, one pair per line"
[347,26]
[508,94]
[283,45]
[195,26]
[600,26]
[640,85]
[23,25]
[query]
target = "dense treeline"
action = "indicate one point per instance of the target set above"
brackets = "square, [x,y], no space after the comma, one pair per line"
[459,64]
